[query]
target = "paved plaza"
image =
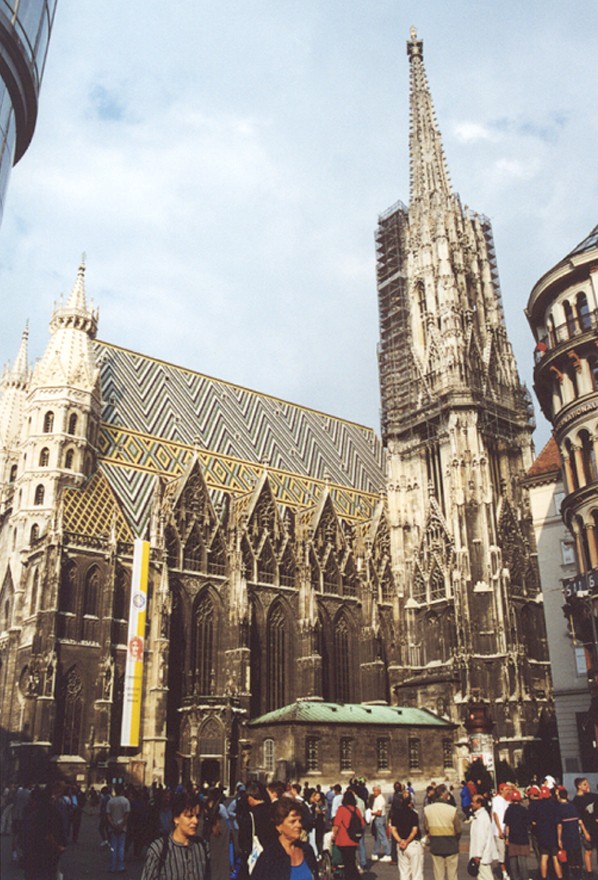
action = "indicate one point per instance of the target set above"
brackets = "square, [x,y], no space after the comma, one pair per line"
[87,859]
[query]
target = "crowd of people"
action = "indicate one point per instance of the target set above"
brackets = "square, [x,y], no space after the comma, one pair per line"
[286,832]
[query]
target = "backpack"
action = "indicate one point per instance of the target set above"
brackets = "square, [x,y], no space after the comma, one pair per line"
[355,827]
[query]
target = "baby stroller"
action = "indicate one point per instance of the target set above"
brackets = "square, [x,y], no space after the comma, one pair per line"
[332,860]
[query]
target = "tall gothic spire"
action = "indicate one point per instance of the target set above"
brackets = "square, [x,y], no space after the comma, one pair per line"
[429,175]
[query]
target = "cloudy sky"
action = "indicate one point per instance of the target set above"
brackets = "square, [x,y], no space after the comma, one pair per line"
[222,163]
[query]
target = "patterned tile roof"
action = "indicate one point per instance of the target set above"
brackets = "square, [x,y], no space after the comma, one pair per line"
[316,712]
[93,508]
[588,244]
[156,416]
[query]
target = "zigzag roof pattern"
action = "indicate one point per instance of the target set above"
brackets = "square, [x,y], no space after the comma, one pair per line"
[157,415]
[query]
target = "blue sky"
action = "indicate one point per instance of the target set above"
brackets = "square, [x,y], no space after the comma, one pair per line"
[222,164]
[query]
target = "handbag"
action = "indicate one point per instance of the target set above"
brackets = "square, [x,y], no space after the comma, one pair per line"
[562,856]
[256,848]
[473,868]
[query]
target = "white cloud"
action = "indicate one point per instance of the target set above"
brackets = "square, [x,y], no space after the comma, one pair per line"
[471,132]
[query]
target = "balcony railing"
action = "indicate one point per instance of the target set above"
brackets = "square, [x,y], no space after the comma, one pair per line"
[571,329]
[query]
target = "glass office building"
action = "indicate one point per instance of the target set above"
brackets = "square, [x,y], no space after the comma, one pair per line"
[25,27]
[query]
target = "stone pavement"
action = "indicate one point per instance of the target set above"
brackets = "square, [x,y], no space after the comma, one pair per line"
[87,859]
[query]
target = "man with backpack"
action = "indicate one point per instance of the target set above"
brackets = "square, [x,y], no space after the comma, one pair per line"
[180,855]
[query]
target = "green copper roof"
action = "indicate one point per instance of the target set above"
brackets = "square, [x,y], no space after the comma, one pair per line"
[315,712]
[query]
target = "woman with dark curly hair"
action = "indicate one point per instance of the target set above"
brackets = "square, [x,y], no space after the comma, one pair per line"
[288,858]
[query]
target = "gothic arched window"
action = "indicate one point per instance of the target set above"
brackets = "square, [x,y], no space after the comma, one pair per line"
[68,586]
[34,534]
[269,755]
[68,459]
[193,552]
[91,591]
[13,473]
[331,576]
[44,457]
[34,592]
[287,568]
[48,422]
[171,542]
[120,594]
[217,556]
[72,427]
[419,587]
[342,660]
[277,661]
[437,587]
[266,565]
[72,714]
[350,578]
[39,495]
[204,645]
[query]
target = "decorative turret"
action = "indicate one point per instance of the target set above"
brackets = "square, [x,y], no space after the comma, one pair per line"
[13,388]
[61,413]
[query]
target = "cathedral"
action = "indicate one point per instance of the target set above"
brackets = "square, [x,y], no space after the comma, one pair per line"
[320,602]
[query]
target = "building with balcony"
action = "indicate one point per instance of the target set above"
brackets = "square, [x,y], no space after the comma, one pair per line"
[563,314]
[25,29]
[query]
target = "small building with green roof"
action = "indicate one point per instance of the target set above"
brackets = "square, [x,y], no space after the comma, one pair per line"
[331,742]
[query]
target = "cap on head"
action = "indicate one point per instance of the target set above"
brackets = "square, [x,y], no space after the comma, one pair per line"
[545,792]
[533,791]
[515,795]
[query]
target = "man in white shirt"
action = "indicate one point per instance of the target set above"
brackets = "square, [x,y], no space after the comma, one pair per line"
[499,808]
[382,843]
[482,841]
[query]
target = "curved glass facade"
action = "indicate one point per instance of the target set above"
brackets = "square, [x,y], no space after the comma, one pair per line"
[25,27]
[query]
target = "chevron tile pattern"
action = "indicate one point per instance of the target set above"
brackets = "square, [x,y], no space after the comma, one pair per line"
[156,416]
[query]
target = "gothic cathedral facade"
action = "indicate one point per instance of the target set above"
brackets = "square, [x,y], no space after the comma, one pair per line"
[293,556]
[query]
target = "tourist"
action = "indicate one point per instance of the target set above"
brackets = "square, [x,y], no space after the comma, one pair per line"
[544,814]
[586,804]
[179,855]
[341,835]
[117,814]
[443,828]
[570,831]
[482,840]
[381,844]
[517,837]
[404,828]
[287,852]
[500,802]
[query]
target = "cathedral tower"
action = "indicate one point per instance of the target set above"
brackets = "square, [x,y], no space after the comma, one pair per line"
[457,425]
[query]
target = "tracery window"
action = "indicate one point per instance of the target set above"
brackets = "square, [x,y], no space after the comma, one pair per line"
[48,422]
[266,565]
[331,576]
[39,495]
[34,534]
[437,587]
[204,645]
[69,457]
[350,578]
[217,557]
[172,547]
[287,568]
[269,755]
[34,592]
[342,660]
[72,426]
[120,594]
[314,570]
[44,457]
[73,714]
[419,586]
[277,664]
[68,584]
[193,552]
[91,592]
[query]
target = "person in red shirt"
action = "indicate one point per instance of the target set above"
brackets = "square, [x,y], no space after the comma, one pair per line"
[340,834]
